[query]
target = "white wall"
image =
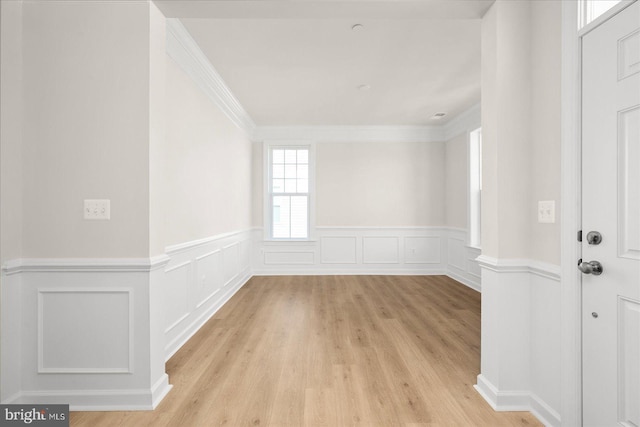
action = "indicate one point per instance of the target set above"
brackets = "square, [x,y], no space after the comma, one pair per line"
[545,127]
[203,178]
[520,360]
[380,184]
[86,128]
[11,131]
[10,186]
[456,181]
[545,185]
[506,128]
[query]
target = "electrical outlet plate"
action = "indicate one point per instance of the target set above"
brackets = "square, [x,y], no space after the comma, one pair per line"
[547,211]
[97,209]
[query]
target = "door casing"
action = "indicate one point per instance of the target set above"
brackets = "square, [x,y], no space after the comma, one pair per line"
[571,328]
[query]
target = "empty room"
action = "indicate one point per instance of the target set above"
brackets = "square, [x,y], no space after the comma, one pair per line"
[320,213]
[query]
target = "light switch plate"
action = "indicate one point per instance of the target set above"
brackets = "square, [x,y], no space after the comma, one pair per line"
[97,209]
[547,211]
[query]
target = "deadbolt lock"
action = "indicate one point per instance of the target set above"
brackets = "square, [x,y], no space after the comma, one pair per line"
[594,238]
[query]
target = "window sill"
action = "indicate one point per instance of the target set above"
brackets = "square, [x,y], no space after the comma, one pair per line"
[298,242]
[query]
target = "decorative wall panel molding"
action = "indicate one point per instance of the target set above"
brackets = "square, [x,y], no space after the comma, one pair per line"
[461,259]
[338,249]
[367,250]
[381,250]
[82,333]
[521,336]
[101,342]
[177,293]
[219,266]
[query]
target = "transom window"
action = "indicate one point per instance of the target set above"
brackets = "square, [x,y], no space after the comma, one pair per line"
[289,196]
[589,10]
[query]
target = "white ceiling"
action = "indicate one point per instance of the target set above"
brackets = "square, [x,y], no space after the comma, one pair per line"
[299,63]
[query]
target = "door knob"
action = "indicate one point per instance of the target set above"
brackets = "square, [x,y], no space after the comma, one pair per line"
[591,267]
[594,238]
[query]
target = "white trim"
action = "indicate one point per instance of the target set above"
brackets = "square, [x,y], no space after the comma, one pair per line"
[571,339]
[187,54]
[172,347]
[87,265]
[351,133]
[393,228]
[586,28]
[187,246]
[516,401]
[465,281]
[291,271]
[267,147]
[549,271]
[464,122]
[40,331]
[99,400]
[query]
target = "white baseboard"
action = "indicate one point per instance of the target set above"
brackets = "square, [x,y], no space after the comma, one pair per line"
[501,400]
[175,345]
[473,284]
[517,401]
[99,400]
[201,277]
[371,251]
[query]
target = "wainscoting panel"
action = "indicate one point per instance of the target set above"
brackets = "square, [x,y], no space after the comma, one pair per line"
[422,250]
[283,257]
[208,275]
[520,367]
[84,333]
[102,342]
[338,250]
[177,291]
[219,266]
[461,259]
[367,250]
[380,250]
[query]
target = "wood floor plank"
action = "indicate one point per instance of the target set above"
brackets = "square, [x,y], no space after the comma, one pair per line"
[329,351]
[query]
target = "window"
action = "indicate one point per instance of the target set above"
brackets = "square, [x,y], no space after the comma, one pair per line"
[475,187]
[289,196]
[589,10]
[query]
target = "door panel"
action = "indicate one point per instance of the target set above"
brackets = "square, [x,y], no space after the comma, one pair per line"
[611,206]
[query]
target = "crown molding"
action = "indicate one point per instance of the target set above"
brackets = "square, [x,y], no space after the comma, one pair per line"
[350,133]
[183,49]
[187,54]
[464,122]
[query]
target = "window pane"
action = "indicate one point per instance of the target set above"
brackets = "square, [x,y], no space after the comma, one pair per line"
[278,171]
[289,185]
[303,156]
[303,171]
[278,156]
[290,171]
[278,186]
[303,186]
[290,156]
[299,217]
[281,207]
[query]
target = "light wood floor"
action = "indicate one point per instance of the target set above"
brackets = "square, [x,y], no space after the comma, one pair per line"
[330,351]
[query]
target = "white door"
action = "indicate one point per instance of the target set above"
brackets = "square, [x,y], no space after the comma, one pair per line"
[611,206]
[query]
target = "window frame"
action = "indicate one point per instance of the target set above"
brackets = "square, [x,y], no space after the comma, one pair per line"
[268,148]
[474,203]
